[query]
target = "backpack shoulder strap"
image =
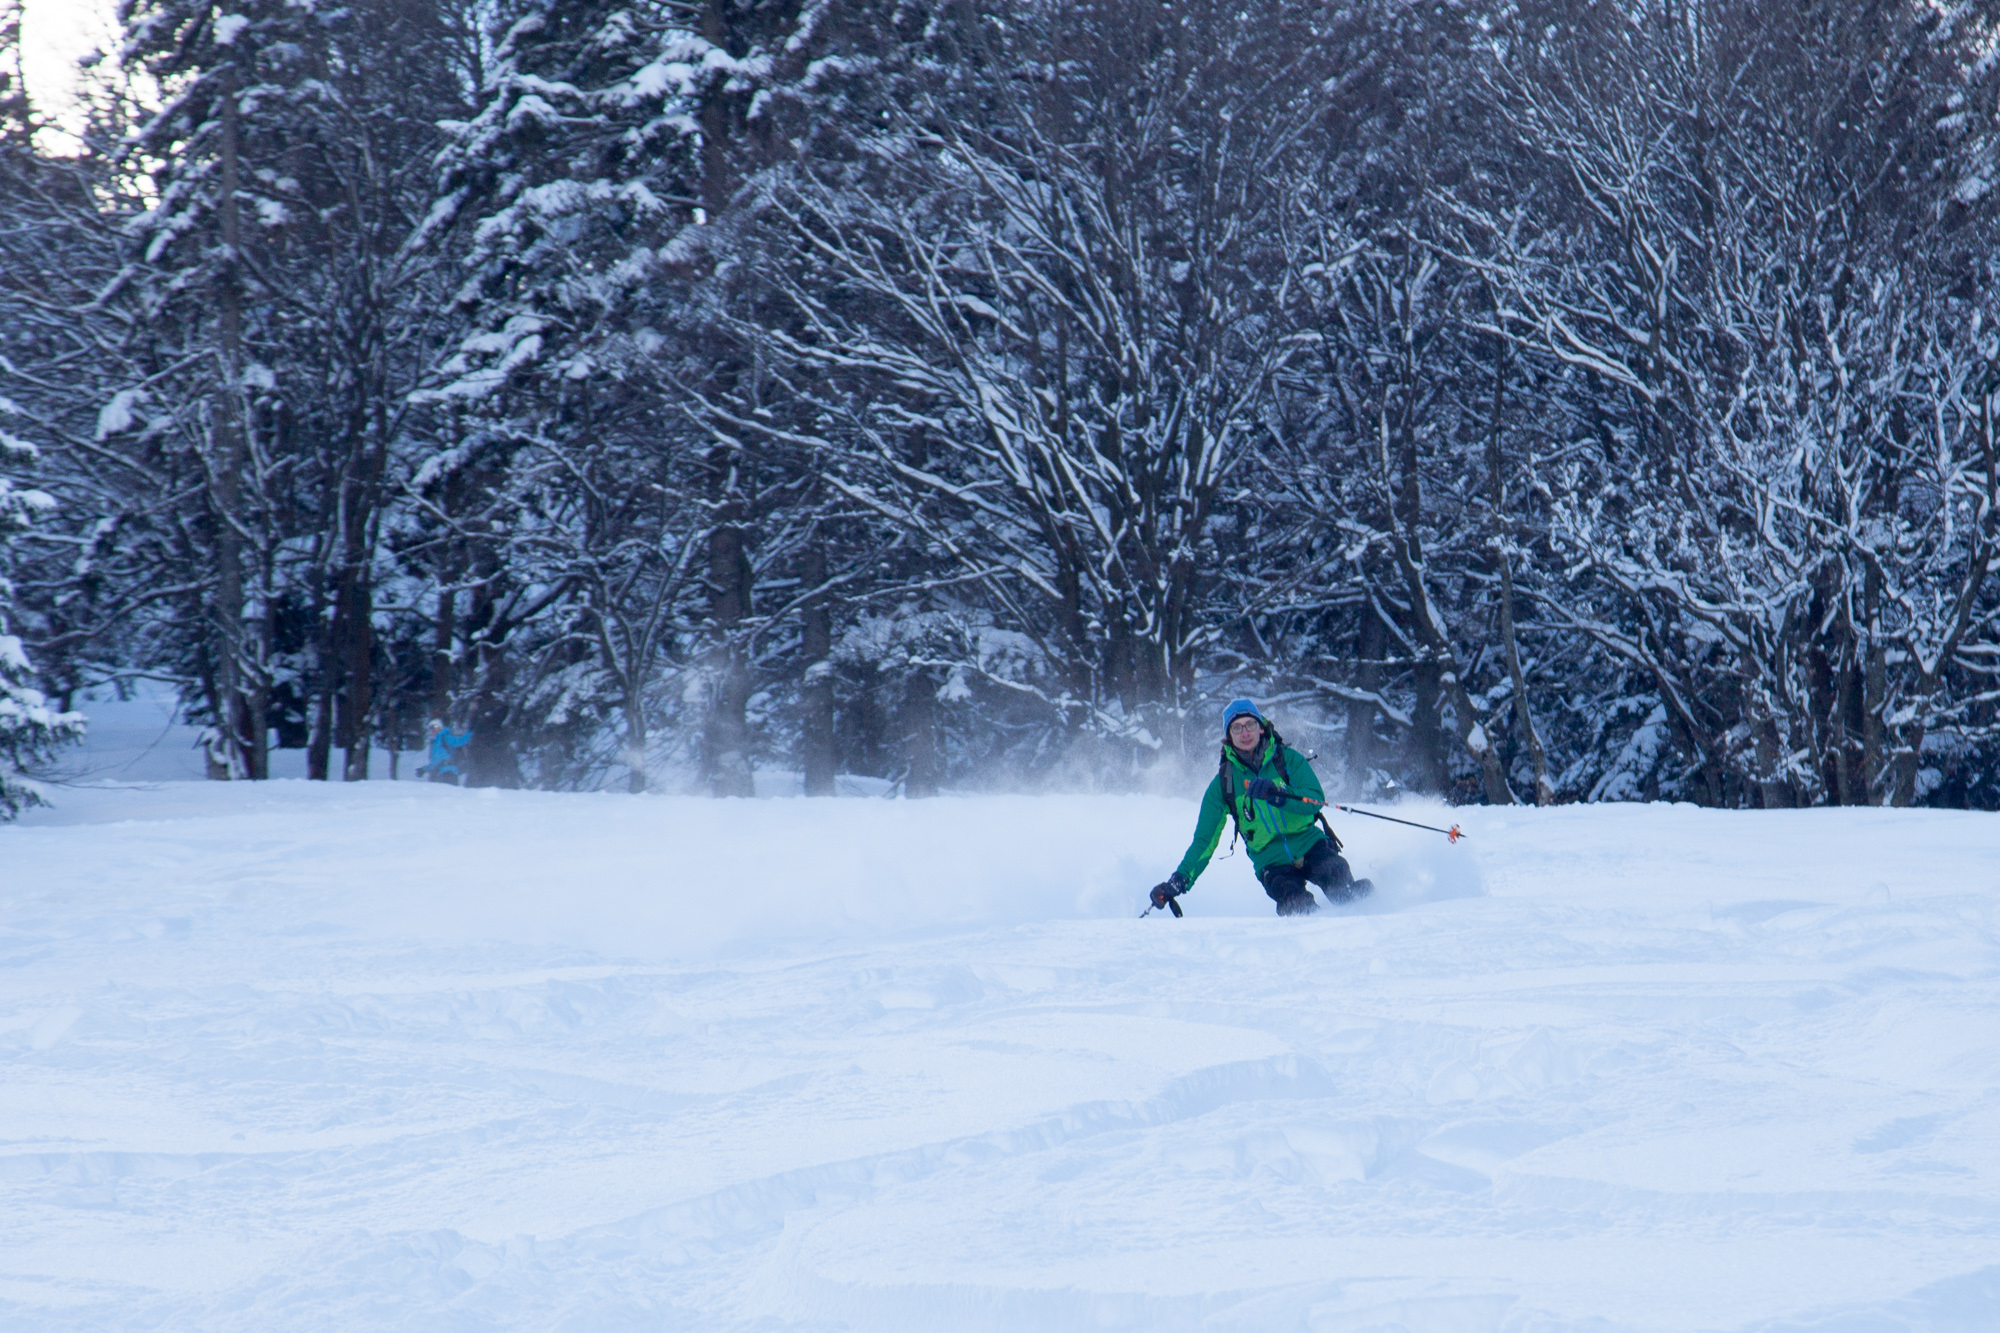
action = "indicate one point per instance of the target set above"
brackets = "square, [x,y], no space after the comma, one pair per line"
[1228,788]
[1285,767]
[1283,756]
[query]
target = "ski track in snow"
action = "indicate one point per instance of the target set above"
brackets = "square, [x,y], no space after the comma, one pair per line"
[387,1056]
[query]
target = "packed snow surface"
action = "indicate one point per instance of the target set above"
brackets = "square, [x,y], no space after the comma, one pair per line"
[390,1056]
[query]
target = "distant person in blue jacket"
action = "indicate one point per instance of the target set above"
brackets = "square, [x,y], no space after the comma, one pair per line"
[445,745]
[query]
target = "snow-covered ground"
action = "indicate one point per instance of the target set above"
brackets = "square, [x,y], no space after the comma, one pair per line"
[392,1056]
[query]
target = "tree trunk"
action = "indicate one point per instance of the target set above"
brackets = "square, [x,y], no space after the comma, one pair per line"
[1427,726]
[1874,693]
[359,662]
[727,747]
[490,760]
[441,654]
[1438,677]
[920,738]
[1496,481]
[1437,668]
[635,741]
[232,712]
[1853,772]
[1545,793]
[716,177]
[1369,644]
[1826,646]
[725,741]
[816,646]
[1773,792]
[319,746]
[259,693]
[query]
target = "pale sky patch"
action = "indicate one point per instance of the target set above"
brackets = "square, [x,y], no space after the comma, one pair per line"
[55,34]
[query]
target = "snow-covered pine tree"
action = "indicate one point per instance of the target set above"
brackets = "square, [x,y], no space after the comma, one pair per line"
[199,285]
[275,272]
[31,729]
[597,185]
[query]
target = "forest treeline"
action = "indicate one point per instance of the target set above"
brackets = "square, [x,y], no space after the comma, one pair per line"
[1542,401]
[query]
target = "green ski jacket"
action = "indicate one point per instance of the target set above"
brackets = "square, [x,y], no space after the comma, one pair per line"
[1275,834]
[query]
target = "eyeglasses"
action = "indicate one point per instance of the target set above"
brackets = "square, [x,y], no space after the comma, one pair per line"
[1246,722]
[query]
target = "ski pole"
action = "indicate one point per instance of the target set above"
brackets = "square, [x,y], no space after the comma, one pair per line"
[1453,834]
[1173,905]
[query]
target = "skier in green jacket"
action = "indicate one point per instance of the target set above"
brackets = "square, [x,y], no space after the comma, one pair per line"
[1258,787]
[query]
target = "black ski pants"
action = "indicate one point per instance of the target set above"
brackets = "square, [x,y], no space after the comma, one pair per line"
[1321,865]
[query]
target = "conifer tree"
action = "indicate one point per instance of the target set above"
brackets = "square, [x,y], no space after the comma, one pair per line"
[31,729]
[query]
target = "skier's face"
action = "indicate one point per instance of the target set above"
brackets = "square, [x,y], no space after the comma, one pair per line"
[1246,733]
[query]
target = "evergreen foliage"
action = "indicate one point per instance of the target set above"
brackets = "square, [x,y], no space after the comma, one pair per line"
[1560,401]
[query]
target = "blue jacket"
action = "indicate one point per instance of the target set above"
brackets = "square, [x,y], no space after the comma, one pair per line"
[443,746]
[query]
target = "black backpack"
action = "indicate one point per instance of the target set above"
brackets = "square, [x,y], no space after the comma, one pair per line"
[1284,766]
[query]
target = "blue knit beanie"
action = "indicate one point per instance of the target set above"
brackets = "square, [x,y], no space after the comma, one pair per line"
[1240,708]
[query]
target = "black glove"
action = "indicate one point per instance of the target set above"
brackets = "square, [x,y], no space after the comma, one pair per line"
[1263,789]
[1169,889]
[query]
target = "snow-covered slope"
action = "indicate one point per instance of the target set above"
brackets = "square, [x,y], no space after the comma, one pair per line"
[388,1056]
